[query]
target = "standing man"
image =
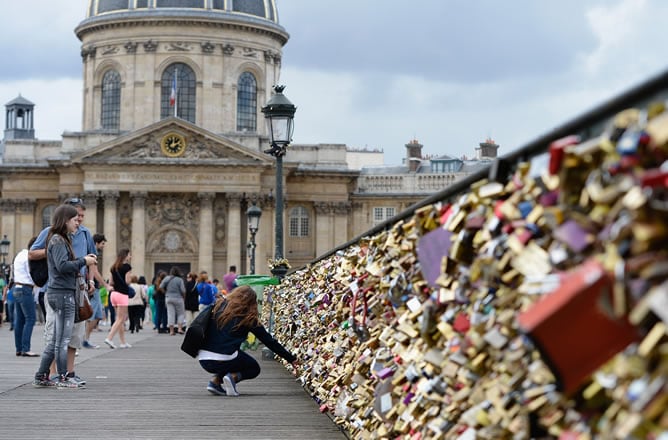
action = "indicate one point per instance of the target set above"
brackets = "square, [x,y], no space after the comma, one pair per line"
[82,244]
[24,303]
[230,278]
[96,301]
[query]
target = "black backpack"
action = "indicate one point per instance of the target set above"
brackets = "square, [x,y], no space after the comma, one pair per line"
[39,271]
[196,332]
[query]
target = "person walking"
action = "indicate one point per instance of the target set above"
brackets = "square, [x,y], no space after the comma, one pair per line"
[232,318]
[175,292]
[121,278]
[192,298]
[24,303]
[63,271]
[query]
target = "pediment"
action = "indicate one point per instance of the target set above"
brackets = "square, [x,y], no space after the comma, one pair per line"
[145,146]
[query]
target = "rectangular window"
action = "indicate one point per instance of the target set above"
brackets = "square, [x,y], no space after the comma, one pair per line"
[294,227]
[380,214]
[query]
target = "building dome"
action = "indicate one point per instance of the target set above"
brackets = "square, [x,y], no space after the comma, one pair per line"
[264,9]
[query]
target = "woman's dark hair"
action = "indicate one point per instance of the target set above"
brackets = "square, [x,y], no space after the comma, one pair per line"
[142,280]
[158,278]
[120,259]
[61,216]
[241,303]
[175,271]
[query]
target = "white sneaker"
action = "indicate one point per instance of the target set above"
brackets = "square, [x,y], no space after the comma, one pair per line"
[126,345]
[109,343]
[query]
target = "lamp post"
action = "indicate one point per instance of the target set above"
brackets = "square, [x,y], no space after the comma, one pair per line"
[253,214]
[279,114]
[4,251]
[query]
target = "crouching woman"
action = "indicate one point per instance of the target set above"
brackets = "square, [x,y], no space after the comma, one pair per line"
[232,318]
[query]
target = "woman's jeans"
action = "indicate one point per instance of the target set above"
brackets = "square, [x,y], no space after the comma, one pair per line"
[56,347]
[161,315]
[24,317]
[244,365]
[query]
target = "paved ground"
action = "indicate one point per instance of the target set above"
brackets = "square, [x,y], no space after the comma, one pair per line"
[151,391]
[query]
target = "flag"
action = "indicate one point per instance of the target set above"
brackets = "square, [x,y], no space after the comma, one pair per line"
[172,96]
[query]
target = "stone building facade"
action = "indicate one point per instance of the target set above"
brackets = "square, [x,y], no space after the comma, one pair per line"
[170,154]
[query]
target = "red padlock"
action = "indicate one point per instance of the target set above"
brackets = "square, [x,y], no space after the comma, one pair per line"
[574,327]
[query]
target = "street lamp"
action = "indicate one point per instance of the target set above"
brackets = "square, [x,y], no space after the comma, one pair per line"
[4,251]
[253,214]
[279,114]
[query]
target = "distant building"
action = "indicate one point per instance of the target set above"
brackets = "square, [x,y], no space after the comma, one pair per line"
[170,154]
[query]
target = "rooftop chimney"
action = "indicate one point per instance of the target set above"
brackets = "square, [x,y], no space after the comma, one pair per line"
[413,155]
[487,150]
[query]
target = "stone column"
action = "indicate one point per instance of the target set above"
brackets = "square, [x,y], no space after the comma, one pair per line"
[233,231]
[8,228]
[138,239]
[23,228]
[323,227]
[340,231]
[90,220]
[110,231]
[206,234]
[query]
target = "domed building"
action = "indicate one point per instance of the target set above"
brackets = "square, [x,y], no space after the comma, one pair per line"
[171,150]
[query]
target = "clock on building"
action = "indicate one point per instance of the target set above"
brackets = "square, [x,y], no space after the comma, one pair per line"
[173,145]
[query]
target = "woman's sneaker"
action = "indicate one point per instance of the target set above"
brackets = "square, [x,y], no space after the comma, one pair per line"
[215,389]
[76,378]
[230,385]
[109,343]
[126,345]
[70,383]
[43,382]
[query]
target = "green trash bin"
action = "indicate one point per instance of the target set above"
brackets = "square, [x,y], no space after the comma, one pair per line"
[257,283]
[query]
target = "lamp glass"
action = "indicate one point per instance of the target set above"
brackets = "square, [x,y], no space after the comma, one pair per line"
[4,246]
[253,214]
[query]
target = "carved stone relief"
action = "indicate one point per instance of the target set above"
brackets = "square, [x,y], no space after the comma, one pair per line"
[125,221]
[172,223]
[219,214]
[179,46]
[131,47]
[110,50]
[172,210]
[228,49]
[150,46]
[171,241]
[208,47]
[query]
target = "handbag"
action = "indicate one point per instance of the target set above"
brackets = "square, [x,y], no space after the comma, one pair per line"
[83,309]
[131,292]
[196,332]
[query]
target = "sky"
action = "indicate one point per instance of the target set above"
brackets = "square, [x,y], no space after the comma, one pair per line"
[377,74]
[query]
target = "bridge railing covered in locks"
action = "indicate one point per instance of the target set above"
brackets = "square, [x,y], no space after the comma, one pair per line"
[529,301]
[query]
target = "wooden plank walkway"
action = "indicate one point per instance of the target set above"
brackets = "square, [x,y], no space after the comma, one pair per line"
[151,391]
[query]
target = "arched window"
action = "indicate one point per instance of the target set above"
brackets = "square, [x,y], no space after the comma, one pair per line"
[299,222]
[247,103]
[178,92]
[111,100]
[47,213]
